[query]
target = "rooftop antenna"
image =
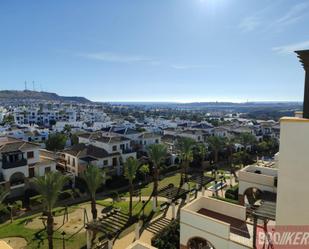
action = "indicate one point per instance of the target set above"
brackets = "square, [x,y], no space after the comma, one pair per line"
[303,56]
[41,87]
[33,88]
[25,85]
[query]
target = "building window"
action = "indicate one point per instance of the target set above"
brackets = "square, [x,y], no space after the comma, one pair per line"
[73,162]
[47,169]
[31,172]
[114,147]
[30,154]
[115,161]
[157,141]
[105,162]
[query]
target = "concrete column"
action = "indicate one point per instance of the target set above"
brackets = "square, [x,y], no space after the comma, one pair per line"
[188,198]
[110,244]
[203,190]
[186,186]
[89,238]
[137,228]
[154,204]
[173,210]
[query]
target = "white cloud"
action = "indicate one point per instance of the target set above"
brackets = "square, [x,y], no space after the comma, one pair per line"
[294,14]
[289,48]
[261,18]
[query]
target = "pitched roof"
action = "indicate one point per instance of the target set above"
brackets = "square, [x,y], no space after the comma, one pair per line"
[9,144]
[105,137]
[146,135]
[83,151]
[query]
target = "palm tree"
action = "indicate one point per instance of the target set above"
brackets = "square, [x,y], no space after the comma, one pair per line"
[3,194]
[157,153]
[246,139]
[216,143]
[230,143]
[93,177]
[49,186]
[130,170]
[202,151]
[185,146]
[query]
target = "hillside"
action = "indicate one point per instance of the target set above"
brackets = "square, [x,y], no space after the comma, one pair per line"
[26,95]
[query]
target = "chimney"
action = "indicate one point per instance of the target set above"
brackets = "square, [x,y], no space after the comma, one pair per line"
[303,56]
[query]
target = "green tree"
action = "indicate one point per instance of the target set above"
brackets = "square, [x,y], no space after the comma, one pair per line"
[3,194]
[157,153]
[94,177]
[202,151]
[130,170]
[67,129]
[8,119]
[144,170]
[230,143]
[56,142]
[246,139]
[49,186]
[185,147]
[216,144]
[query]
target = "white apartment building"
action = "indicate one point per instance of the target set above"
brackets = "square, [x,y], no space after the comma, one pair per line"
[42,116]
[93,115]
[19,161]
[146,139]
[76,159]
[111,143]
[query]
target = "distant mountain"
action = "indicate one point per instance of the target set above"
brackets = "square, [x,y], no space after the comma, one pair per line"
[34,96]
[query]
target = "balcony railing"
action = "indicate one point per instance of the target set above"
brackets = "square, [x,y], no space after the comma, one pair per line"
[127,151]
[19,163]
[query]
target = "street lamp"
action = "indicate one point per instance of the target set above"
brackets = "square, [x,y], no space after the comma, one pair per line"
[63,241]
[140,190]
[143,208]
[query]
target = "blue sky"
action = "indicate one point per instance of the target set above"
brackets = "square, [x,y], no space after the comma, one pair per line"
[155,50]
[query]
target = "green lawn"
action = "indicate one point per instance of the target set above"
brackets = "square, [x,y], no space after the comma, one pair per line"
[174,179]
[37,238]
[124,205]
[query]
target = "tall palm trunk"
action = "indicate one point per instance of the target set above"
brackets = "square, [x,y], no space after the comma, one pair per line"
[155,184]
[50,224]
[131,194]
[216,156]
[94,208]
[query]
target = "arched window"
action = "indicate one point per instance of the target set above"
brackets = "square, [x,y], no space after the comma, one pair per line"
[17,178]
[199,243]
[252,196]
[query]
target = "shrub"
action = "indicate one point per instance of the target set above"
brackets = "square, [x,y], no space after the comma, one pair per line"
[35,200]
[226,199]
[66,194]
[169,237]
[232,193]
[116,182]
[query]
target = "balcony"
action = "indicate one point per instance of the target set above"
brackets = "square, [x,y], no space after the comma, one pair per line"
[213,217]
[259,175]
[19,163]
[127,151]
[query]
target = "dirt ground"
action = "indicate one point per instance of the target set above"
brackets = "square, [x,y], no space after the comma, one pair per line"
[16,242]
[74,224]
